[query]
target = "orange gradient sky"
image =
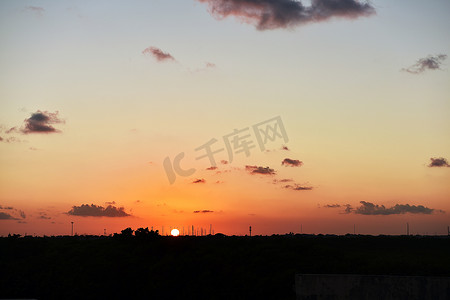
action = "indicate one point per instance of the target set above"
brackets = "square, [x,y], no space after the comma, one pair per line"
[89,113]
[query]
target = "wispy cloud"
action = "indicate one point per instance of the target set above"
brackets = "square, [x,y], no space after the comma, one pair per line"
[291,162]
[274,14]
[86,210]
[43,216]
[158,54]
[41,122]
[438,162]
[368,208]
[298,187]
[283,180]
[202,211]
[9,139]
[201,180]
[35,9]
[332,205]
[12,130]
[428,63]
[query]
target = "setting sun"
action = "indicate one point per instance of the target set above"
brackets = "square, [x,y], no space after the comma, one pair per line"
[175,232]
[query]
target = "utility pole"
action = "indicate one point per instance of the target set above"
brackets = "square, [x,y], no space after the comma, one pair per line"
[250,229]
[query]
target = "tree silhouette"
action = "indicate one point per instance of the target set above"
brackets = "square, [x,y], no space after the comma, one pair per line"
[128,232]
[144,232]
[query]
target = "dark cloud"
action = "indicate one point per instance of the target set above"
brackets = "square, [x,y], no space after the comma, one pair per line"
[110,202]
[291,162]
[6,216]
[158,54]
[260,170]
[211,168]
[438,162]
[86,210]
[199,181]
[273,14]
[40,122]
[428,63]
[285,148]
[203,211]
[368,208]
[298,187]
[224,162]
[12,214]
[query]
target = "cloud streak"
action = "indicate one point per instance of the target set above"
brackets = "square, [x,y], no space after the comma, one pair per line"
[274,14]
[298,187]
[36,9]
[86,210]
[203,211]
[201,180]
[427,63]
[332,205]
[158,54]
[368,208]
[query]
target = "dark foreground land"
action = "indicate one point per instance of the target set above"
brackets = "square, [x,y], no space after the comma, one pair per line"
[210,267]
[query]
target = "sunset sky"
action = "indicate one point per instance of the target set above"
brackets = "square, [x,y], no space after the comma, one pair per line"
[98,98]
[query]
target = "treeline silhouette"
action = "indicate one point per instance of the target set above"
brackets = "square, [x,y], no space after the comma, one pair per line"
[142,264]
[139,233]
